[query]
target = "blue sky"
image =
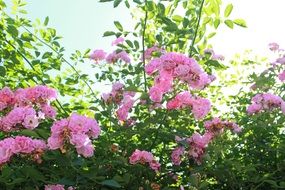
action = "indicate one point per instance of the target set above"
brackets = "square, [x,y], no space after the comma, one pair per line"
[82,23]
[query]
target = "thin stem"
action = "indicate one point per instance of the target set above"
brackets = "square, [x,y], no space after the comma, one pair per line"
[42,81]
[157,131]
[143,46]
[197,28]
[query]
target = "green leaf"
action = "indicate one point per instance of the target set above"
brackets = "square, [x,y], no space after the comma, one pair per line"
[117,3]
[177,18]
[46,55]
[240,22]
[12,30]
[109,33]
[137,1]
[129,43]
[46,21]
[2,71]
[217,23]
[228,10]
[137,45]
[29,133]
[211,35]
[127,4]
[111,183]
[118,25]
[229,23]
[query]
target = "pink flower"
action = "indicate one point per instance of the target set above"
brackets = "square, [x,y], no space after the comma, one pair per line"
[118,56]
[198,143]
[31,121]
[48,110]
[172,66]
[7,98]
[98,55]
[176,155]
[86,150]
[182,70]
[281,60]
[216,126]
[273,46]
[264,101]
[155,94]
[55,143]
[173,104]
[76,130]
[152,66]
[54,187]
[155,165]
[143,157]
[117,41]
[23,145]
[135,157]
[281,76]
[106,96]
[200,107]
[117,86]
[39,144]
[6,150]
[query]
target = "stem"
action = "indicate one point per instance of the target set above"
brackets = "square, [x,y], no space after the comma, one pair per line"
[197,28]
[42,81]
[158,129]
[143,46]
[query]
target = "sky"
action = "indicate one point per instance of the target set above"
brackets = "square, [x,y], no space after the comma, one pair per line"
[82,23]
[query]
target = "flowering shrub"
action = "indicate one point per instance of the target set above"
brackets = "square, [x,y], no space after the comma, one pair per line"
[160,126]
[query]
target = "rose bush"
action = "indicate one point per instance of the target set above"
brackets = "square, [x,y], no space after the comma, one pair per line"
[161,125]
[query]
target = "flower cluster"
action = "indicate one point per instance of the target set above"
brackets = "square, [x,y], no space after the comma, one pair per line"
[122,98]
[265,101]
[75,130]
[98,55]
[172,66]
[200,106]
[216,126]
[57,187]
[197,143]
[143,157]
[176,155]
[21,145]
[117,55]
[25,107]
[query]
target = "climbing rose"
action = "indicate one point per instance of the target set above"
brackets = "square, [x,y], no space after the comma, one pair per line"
[77,130]
[143,157]
[98,55]
[264,102]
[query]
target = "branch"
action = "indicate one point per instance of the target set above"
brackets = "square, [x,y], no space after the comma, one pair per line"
[143,44]
[197,27]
